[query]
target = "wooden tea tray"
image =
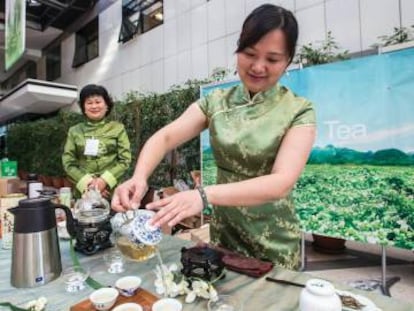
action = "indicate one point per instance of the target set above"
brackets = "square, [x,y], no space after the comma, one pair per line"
[143,297]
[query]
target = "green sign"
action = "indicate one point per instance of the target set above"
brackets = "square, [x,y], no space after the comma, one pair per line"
[8,169]
[15,31]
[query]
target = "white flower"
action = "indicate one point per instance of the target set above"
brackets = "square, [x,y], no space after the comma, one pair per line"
[37,304]
[213,293]
[164,282]
[200,288]
[165,285]
[183,287]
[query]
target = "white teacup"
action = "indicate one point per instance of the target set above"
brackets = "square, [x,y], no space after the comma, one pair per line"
[128,285]
[104,298]
[225,302]
[129,306]
[169,304]
[319,295]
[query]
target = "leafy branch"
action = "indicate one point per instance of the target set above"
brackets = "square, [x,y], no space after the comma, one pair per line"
[399,35]
[327,52]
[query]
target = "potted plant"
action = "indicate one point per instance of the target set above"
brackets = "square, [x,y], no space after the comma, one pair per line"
[326,52]
[327,244]
[399,35]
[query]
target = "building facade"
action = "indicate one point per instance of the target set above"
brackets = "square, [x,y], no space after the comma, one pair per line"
[198,36]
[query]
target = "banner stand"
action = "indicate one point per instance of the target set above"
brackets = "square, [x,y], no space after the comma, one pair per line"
[384,284]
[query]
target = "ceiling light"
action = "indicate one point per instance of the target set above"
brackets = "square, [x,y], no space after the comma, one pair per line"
[158,16]
[33,3]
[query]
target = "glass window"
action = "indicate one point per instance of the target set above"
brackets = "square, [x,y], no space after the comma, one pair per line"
[139,16]
[27,71]
[86,43]
[53,63]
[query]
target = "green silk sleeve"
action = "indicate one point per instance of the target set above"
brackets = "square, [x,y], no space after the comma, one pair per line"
[305,116]
[202,103]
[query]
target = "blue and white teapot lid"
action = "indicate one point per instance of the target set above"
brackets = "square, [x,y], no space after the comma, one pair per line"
[134,224]
[142,230]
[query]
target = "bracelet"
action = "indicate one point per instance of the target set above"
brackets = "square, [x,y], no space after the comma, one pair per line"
[203,196]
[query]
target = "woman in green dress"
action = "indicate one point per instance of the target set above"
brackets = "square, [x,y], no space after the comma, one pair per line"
[261,135]
[97,152]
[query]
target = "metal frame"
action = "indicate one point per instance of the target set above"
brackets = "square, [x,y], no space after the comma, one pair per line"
[384,284]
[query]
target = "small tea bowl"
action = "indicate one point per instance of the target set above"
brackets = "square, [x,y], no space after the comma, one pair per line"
[169,304]
[128,285]
[104,298]
[225,302]
[129,306]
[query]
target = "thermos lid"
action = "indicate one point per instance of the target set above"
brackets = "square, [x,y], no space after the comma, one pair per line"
[35,202]
[34,215]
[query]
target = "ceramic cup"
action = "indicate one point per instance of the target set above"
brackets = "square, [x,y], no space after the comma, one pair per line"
[104,298]
[225,303]
[129,306]
[128,285]
[319,295]
[169,304]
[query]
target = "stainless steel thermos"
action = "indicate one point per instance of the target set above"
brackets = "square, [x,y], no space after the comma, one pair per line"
[35,252]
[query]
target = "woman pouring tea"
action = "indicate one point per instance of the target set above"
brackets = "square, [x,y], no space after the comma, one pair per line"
[261,134]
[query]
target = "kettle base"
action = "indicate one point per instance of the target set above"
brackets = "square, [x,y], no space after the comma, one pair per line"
[90,249]
[93,237]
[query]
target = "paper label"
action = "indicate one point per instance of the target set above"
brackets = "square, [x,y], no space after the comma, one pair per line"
[91,147]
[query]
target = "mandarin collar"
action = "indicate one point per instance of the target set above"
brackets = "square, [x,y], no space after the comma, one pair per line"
[93,123]
[260,96]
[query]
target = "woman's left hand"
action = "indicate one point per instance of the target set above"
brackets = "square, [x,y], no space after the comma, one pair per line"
[173,209]
[99,184]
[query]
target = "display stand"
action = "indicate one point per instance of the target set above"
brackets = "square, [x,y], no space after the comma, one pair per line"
[384,284]
[302,252]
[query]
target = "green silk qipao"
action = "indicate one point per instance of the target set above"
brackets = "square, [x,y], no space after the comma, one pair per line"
[111,162]
[245,135]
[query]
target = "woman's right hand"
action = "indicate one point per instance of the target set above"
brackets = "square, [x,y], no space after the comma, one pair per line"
[128,195]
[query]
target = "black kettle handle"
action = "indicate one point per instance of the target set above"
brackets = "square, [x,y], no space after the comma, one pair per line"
[70,222]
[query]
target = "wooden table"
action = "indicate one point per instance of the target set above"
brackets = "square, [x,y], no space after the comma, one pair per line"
[256,294]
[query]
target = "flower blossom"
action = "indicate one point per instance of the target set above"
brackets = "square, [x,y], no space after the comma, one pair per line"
[37,304]
[166,284]
[200,288]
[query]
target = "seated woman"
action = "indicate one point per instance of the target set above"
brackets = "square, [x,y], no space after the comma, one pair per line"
[97,151]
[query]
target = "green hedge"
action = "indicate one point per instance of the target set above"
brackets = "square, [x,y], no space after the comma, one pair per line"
[38,145]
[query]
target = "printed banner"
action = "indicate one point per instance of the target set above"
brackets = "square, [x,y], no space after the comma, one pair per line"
[15,34]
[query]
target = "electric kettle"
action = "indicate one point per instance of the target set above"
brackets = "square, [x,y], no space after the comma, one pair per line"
[35,253]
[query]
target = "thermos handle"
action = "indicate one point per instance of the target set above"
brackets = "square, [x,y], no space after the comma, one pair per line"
[70,222]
